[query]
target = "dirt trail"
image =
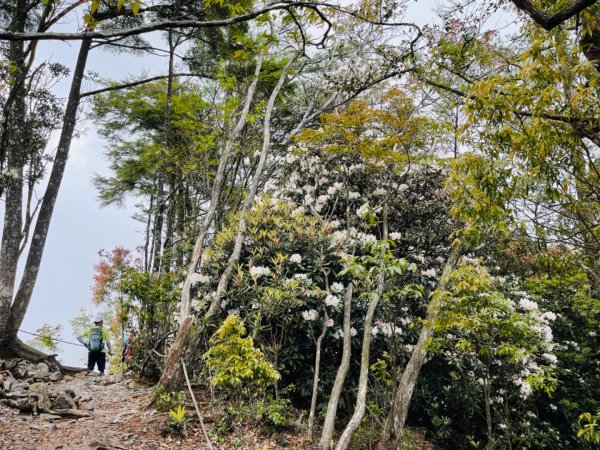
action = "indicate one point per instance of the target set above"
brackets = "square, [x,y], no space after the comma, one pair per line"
[118,422]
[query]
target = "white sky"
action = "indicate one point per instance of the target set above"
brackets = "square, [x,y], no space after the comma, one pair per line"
[80,228]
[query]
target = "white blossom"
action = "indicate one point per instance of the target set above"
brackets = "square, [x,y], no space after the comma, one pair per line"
[528,305]
[310,315]
[549,315]
[364,209]
[353,195]
[429,273]
[196,278]
[337,287]
[353,331]
[332,300]
[259,271]
[296,258]
[550,357]
[395,236]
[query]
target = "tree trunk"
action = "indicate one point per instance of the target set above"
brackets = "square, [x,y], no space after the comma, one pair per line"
[38,241]
[216,193]
[172,377]
[396,418]
[12,147]
[169,371]
[315,390]
[241,230]
[488,414]
[340,377]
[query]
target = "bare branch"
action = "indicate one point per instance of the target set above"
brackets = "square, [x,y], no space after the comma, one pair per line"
[131,84]
[550,21]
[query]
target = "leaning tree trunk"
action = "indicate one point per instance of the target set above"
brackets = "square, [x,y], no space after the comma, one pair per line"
[38,241]
[241,229]
[182,338]
[396,418]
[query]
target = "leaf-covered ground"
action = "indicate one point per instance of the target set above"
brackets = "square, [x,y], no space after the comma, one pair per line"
[120,422]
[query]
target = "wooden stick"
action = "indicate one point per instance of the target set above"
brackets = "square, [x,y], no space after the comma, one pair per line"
[187,380]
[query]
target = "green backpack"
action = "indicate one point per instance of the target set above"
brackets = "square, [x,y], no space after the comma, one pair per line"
[96,342]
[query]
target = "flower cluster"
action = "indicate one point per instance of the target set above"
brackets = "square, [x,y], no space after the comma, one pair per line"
[259,271]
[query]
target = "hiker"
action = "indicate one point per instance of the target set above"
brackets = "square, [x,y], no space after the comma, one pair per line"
[95,338]
[127,349]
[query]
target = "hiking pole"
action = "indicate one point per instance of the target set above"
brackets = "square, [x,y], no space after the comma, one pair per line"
[187,380]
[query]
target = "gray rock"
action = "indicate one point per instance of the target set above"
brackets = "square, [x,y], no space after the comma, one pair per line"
[45,416]
[88,406]
[8,384]
[64,401]
[44,427]
[42,371]
[41,389]
[55,376]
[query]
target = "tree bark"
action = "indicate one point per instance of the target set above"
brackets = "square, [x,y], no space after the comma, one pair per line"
[336,391]
[12,148]
[172,376]
[170,370]
[396,418]
[363,380]
[12,310]
[38,240]
[315,390]
[216,193]
[241,230]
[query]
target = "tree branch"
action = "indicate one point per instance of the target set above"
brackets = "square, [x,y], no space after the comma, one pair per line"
[138,83]
[550,21]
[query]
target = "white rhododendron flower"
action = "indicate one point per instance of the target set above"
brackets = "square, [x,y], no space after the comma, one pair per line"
[395,236]
[364,209]
[528,305]
[310,315]
[296,258]
[259,271]
[196,278]
[332,300]
[337,287]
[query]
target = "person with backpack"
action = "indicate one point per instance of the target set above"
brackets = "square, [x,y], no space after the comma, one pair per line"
[95,339]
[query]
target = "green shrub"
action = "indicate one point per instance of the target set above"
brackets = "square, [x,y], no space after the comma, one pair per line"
[236,365]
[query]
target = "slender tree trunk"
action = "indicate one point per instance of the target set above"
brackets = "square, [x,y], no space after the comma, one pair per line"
[216,193]
[396,418]
[315,390]
[182,336]
[172,376]
[241,230]
[38,241]
[340,377]
[488,414]
[363,381]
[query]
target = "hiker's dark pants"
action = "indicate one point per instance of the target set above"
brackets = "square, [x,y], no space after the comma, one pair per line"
[97,358]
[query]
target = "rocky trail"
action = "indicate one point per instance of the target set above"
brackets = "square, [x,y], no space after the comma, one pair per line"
[42,409]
